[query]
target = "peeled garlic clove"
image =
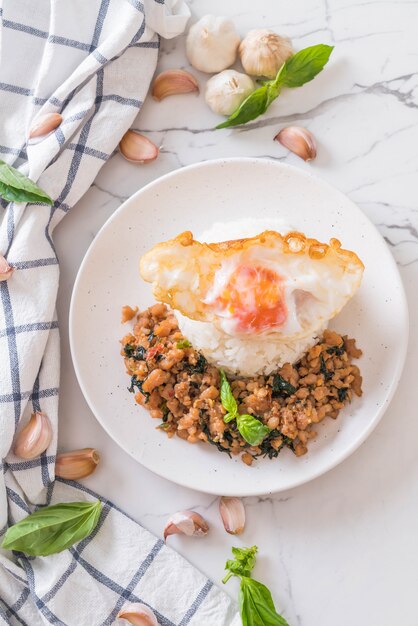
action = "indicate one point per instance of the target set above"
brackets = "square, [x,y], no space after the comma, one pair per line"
[233,515]
[5,269]
[137,148]
[138,614]
[298,140]
[263,52]
[187,523]
[45,125]
[212,43]
[172,82]
[34,438]
[76,464]
[227,90]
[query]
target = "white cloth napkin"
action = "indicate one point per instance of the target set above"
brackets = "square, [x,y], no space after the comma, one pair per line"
[92,61]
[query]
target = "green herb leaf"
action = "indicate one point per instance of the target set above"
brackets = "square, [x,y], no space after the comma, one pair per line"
[227,398]
[342,394]
[254,105]
[52,529]
[16,187]
[251,429]
[327,374]
[138,384]
[295,72]
[281,387]
[135,352]
[243,564]
[256,605]
[303,66]
[184,343]
[200,366]
[338,350]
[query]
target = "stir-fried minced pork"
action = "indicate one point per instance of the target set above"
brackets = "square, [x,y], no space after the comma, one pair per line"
[180,388]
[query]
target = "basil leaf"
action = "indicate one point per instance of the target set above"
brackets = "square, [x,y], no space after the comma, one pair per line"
[306,64]
[295,72]
[52,529]
[227,398]
[243,564]
[254,105]
[16,187]
[256,605]
[251,429]
[281,387]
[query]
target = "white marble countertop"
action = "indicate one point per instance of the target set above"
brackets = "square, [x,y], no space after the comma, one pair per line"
[342,549]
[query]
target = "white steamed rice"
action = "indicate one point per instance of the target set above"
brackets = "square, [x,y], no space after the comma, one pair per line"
[237,355]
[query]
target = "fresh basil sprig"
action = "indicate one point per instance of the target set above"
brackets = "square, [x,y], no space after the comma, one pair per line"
[251,429]
[16,187]
[254,599]
[53,528]
[301,68]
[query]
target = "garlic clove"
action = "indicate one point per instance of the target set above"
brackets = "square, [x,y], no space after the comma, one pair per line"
[5,269]
[34,438]
[76,464]
[212,44]
[299,140]
[227,90]
[263,52]
[44,125]
[137,148]
[138,614]
[233,515]
[172,82]
[187,523]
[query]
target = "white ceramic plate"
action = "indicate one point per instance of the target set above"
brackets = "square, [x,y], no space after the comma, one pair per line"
[192,199]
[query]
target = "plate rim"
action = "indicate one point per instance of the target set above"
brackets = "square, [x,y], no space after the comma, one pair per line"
[350,449]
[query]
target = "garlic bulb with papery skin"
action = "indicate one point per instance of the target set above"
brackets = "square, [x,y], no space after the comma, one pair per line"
[263,52]
[187,523]
[34,438]
[138,614]
[227,90]
[212,43]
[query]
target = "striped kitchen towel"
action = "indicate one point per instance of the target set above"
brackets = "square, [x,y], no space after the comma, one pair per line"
[92,61]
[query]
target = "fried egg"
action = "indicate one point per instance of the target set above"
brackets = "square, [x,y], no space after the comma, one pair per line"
[289,285]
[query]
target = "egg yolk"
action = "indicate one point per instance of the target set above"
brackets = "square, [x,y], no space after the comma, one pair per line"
[254,296]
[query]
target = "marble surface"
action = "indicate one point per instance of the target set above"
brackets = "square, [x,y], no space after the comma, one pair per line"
[342,549]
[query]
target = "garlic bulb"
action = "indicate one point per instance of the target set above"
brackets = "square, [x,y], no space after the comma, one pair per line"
[212,44]
[263,52]
[225,91]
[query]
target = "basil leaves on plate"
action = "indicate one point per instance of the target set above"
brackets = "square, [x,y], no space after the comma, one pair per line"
[250,428]
[16,187]
[53,528]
